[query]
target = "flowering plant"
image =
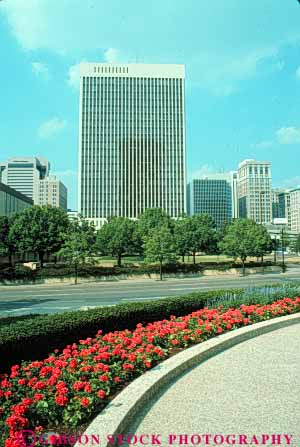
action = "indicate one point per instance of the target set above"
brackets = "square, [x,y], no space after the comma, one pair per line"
[69,387]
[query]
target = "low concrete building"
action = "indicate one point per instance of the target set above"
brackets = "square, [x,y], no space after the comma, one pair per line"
[12,201]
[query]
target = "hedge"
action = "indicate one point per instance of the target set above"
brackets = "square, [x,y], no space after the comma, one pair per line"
[59,271]
[34,338]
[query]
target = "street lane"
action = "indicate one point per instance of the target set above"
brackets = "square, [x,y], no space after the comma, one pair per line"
[17,300]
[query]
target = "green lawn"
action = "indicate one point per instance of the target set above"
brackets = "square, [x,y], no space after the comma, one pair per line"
[109,261]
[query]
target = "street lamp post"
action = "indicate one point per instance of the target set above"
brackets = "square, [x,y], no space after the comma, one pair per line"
[282,249]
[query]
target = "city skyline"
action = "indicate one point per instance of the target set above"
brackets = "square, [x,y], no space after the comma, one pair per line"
[235,77]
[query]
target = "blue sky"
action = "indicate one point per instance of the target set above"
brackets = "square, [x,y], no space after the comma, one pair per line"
[242,65]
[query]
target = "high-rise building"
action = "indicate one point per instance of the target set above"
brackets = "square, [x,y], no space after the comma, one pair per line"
[131,140]
[214,194]
[51,191]
[254,184]
[295,209]
[281,205]
[24,173]
[12,201]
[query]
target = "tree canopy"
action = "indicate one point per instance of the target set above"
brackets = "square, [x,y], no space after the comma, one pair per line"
[79,243]
[159,246]
[245,238]
[39,229]
[118,237]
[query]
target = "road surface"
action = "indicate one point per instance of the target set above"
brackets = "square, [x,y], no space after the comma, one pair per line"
[21,300]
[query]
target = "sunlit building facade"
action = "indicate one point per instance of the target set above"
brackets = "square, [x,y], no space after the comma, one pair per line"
[131,140]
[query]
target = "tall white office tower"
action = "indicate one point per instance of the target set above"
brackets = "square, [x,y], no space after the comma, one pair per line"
[131,140]
[24,174]
[254,184]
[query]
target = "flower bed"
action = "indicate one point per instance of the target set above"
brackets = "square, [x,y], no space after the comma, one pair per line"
[68,387]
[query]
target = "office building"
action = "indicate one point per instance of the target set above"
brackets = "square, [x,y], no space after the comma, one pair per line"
[72,215]
[281,205]
[12,201]
[254,184]
[295,209]
[24,173]
[131,140]
[51,191]
[214,194]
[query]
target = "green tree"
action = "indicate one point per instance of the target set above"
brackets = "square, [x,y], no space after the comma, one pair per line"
[7,247]
[181,237]
[153,218]
[79,244]
[118,237]
[243,239]
[295,245]
[39,229]
[159,246]
[263,243]
[200,234]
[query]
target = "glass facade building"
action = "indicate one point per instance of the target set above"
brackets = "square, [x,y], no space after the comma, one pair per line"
[131,140]
[12,201]
[214,195]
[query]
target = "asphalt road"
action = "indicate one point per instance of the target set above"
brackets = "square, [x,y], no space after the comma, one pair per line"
[21,300]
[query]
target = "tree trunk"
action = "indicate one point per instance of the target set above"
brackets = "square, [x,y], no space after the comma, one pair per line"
[244,270]
[183,259]
[10,259]
[76,273]
[262,259]
[160,270]
[119,260]
[275,256]
[41,258]
[194,257]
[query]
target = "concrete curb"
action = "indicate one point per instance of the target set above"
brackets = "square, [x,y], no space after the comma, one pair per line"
[119,415]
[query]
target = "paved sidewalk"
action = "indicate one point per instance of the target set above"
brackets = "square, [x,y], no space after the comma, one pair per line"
[252,388]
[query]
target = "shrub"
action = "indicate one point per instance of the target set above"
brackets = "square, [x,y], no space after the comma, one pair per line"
[35,338]
[68,388]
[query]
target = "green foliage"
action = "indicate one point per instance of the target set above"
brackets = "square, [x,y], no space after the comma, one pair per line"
[118,237]
[79,243]
[35,338]
[39,229]
[160,246]
[245,238]
[296,245]
[151,219]
[200,234]
[6,243]
[182,238]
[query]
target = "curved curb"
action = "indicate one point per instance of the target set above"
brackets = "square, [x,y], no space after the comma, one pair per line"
[121,412]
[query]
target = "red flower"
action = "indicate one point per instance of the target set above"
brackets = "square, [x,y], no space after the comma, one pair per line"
[104,378]
[85,402]
[101,394]
[61,400]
